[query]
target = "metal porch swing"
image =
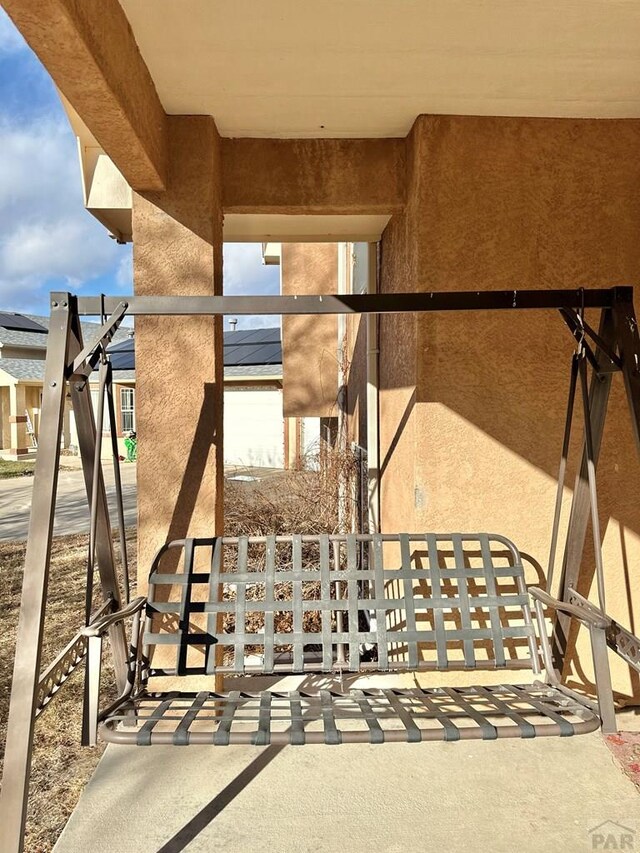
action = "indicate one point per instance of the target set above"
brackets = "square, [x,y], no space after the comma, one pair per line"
[417,602]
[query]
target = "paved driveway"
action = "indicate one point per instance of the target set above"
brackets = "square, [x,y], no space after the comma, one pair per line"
[72,513]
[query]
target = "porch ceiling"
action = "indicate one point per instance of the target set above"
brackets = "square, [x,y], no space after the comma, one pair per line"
[366,68]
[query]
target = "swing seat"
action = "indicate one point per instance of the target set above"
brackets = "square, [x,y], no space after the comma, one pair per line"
[333,609]
[358,716]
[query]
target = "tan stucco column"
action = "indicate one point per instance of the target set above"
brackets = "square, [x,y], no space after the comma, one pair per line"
[178,251]
[5,414]
[309,343]
[20,441]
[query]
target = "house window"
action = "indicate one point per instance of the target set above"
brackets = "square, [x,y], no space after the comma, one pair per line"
[127,410]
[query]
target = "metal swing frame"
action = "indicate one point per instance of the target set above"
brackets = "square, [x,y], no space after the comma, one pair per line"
[70,362]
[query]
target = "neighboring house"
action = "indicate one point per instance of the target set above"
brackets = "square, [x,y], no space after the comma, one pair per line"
[23,342]
[256,431]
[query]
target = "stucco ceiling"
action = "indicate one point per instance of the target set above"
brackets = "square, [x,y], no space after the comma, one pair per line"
[262,227]
[368,67]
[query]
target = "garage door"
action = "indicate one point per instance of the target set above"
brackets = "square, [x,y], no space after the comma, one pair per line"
[254,428]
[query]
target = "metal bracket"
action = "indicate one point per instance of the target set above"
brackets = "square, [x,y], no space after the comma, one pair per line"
[579,328]
[625,644]
[91,352]
[69,659]
[622,642]
[63,666]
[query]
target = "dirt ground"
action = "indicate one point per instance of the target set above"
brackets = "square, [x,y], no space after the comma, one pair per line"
[61,766]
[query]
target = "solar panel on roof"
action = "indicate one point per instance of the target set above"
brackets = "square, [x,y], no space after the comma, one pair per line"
[245,348]
[256,336]
[127,345]
[19,323]
[248,354]
[123,360]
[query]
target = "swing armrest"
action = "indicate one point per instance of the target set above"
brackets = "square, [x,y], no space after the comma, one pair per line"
[587,617]
[94,634]
[97,628]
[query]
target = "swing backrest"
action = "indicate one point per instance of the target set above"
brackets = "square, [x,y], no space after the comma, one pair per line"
[297,604]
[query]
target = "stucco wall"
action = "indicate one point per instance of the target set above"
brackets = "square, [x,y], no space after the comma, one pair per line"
[309,344]
[502,203]
[399,254]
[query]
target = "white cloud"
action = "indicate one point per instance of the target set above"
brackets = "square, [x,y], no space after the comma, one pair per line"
[45,233]
[244,274]
[53,249]
[124,271]
[47,239]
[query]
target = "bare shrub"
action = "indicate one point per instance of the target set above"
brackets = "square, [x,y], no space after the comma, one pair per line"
[305,501]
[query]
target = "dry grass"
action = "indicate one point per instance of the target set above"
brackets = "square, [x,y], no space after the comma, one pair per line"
[15,469]
[302,502]
[298,502]
[294,502]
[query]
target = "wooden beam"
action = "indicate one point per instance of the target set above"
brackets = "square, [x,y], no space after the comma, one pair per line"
[314,176]
[90,51]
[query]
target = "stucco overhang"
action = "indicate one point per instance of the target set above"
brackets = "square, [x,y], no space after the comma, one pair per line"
[106,193]
[340,69]
[358,68]
[109,198]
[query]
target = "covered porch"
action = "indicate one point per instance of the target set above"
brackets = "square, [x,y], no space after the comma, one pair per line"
[483,177]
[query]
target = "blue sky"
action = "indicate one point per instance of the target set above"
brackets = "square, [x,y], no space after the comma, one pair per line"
[47,239]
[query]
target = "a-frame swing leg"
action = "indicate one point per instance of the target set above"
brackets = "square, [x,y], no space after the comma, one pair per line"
[580,505]
[63,346]
[86,429]
[19,746]
[628,341]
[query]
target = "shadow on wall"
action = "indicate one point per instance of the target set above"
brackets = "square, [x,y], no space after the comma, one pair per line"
[507,376]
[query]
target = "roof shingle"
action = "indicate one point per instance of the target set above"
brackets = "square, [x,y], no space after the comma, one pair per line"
[23,368]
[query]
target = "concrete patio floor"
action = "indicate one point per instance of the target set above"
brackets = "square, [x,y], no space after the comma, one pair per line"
[540,795]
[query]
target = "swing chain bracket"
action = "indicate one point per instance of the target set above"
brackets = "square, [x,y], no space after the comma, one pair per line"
[581,330]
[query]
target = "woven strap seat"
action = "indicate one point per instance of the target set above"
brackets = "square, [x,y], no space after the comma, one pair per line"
[357,716]
[329,607]
[424,601]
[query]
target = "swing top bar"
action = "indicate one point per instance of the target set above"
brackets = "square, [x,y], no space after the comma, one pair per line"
[369,303]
